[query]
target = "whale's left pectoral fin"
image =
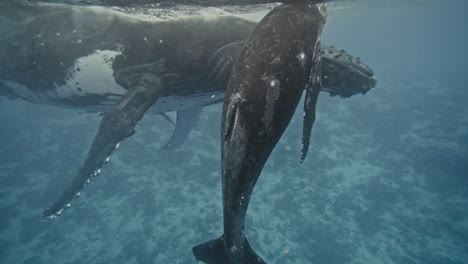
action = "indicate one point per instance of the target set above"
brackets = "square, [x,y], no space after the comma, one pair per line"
[310,104]
[186,120]
[116,125]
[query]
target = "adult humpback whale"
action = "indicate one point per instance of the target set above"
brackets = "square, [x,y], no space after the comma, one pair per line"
[99,59]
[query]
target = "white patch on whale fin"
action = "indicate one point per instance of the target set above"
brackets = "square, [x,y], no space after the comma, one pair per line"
[186,120]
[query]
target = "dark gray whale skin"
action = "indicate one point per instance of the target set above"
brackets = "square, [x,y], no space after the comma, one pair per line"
[279,59]
[41,54]
[154,62]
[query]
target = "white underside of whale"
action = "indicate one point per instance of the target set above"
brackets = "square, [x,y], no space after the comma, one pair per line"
[93,75]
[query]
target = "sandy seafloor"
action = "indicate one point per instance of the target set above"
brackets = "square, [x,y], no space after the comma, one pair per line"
[386,180]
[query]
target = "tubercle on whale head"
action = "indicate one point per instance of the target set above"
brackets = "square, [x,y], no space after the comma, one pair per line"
[343,74]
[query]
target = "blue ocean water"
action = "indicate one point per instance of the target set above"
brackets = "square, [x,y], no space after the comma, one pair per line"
[386,179]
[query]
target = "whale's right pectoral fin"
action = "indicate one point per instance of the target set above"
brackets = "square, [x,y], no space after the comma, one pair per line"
[310,105]
[116,125]
[186,120]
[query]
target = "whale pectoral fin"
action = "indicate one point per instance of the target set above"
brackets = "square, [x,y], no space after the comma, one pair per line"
[186,120]
[309,119]
[178,83]
[221,63]
[310,103]
[129,77]
[215,252]
[116,125]
[168,119]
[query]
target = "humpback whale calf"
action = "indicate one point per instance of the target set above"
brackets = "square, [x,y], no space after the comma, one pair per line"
[280,58]
[100,59]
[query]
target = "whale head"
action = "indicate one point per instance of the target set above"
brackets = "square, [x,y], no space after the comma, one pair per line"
[343,74]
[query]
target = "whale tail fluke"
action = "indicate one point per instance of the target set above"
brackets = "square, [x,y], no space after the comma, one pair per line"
[214,252]
[211,252]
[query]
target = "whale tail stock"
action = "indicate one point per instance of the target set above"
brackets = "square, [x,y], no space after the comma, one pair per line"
[215,252]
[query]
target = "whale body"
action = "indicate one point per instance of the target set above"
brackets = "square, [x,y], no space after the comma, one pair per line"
[101,60]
